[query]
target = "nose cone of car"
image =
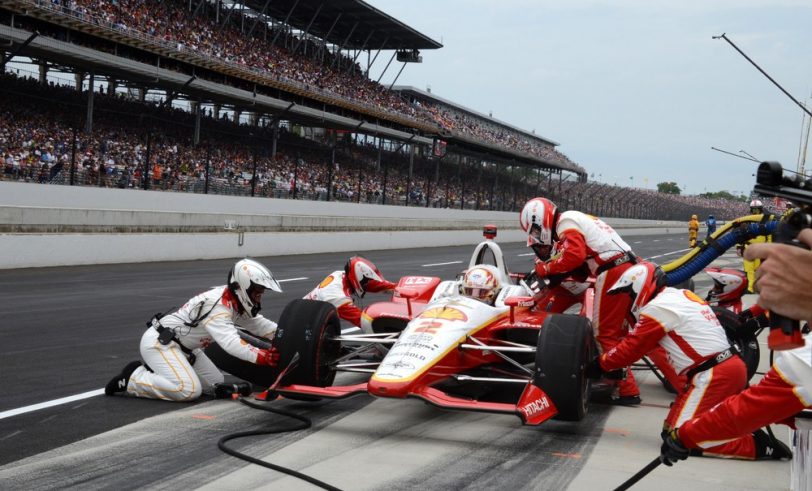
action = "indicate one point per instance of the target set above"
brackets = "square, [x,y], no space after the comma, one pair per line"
[388,388]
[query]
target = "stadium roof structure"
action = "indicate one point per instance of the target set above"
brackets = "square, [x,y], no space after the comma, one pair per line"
[414,91]
[350,24]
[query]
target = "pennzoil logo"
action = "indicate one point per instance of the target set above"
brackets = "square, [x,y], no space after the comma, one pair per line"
[447,313]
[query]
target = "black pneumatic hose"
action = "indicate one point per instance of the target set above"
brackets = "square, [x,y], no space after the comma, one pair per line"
[305,423]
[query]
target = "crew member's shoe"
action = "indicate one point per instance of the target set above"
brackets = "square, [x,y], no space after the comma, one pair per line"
[769,448]
[227,391]
[627,401]
[119,382]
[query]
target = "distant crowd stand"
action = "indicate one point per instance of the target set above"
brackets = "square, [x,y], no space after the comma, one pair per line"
[136,145]
[293,60]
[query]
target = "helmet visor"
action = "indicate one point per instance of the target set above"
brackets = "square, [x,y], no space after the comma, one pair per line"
[478,293]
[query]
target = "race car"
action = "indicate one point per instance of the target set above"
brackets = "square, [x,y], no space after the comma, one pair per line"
[447,349]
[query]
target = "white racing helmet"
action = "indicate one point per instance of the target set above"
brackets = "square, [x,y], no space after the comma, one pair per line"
[538,219]
[728,284]
[360,272]
[642,282]
[481,283]
[248,280]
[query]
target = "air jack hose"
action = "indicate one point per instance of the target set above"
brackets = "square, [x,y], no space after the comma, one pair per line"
[305,423]
[734,232]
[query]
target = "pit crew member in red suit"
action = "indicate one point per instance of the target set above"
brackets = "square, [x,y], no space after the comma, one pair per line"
[340,288]
[697,346]
[175,367]
[783,282]
[583,239]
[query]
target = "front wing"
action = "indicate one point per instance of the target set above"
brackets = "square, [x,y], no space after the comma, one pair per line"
[533,408]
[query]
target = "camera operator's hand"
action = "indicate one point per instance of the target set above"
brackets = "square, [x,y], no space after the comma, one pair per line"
[784,282]
[672,449]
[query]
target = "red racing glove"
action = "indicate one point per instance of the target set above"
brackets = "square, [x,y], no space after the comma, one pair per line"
[268,357]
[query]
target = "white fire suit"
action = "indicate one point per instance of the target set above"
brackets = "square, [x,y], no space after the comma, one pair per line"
[212,316]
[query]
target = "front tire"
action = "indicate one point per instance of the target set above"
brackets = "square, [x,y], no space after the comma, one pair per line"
[565,347]
[307,327]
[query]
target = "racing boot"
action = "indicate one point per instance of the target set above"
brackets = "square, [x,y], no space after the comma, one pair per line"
[229,391]
[120,381]
[627,400]
[770,448]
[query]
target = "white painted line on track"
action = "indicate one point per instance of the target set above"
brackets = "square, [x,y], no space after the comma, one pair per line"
[638,242]
[55,402]
[527,254]
[441,264]
[669,253]
[293,279]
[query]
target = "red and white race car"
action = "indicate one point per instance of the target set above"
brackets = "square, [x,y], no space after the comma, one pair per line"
[432,343]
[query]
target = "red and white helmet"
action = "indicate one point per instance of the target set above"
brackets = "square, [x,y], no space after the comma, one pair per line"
[728,285]
[756,206]
[482,283]
[642,282]
[248,280]
[538,218]
[359,272]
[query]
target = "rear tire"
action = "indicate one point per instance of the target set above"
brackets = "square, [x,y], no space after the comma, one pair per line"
[565,347]
[744,339]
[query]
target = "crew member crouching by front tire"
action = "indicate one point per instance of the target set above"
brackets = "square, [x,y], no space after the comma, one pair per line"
[175,367]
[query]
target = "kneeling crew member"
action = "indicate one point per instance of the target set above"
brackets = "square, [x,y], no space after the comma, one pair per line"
[696,344]
[176,368]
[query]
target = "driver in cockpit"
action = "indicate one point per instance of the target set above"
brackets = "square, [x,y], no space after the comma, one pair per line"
[481,283]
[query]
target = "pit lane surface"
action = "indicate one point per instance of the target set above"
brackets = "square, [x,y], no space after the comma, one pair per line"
[66,331]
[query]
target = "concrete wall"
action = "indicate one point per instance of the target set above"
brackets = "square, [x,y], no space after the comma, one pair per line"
[46,225]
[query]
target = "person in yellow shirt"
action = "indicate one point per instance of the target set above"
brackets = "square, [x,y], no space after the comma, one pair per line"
[693,229]
[750,267]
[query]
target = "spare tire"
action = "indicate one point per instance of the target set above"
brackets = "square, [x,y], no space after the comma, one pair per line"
[307,327]
[740,337]
[565,347]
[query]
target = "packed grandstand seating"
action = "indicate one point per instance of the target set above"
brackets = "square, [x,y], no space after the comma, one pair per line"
[170,21]
[35,144]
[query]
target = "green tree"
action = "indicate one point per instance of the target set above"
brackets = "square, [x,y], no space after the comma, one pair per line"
[724,195]
[668,188]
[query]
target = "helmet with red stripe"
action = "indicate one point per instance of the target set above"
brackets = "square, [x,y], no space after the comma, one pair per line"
[642,282]
[359,272]
[538,218]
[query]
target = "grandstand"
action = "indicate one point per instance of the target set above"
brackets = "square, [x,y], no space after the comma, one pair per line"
[261,98]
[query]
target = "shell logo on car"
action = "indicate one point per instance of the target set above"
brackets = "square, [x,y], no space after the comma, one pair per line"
[446,313]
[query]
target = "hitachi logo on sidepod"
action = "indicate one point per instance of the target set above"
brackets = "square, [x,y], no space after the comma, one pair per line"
[533,407]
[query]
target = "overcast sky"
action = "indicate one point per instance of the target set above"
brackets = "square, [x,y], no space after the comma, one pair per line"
[629,88]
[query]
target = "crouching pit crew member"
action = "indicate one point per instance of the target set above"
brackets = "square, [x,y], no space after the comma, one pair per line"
[579,239]
[341,288]
[175,367]
[697,346]
[784,282]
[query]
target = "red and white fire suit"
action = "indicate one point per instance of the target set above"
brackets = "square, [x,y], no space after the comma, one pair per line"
[686,327]
[336,290]
[783,392]
[587,239]
[217,315]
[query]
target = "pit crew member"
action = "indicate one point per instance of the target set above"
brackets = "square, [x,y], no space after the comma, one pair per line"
[697,346]
[785,286]
[750,266]
[579,239]
[175,368]
[693,228]
[342,288]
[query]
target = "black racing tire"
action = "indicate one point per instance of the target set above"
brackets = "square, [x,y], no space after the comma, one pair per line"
[306,327]
[738,335]
[565,348]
